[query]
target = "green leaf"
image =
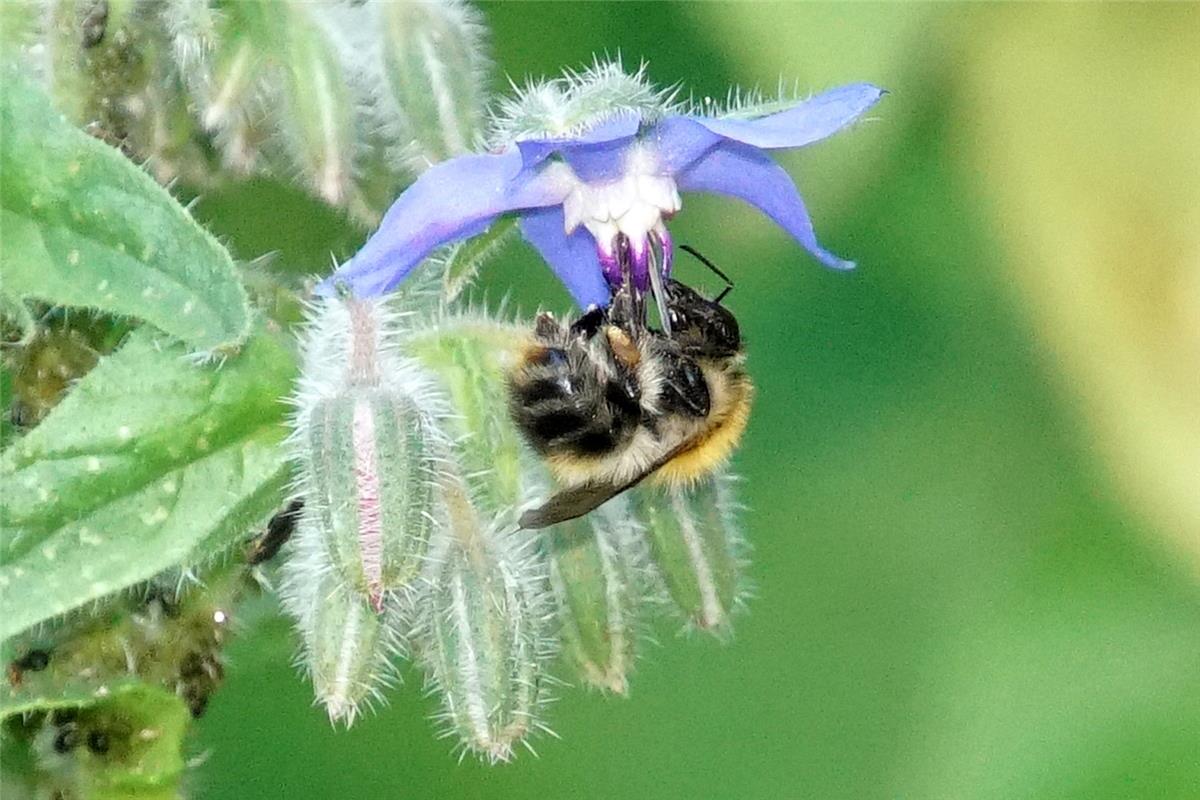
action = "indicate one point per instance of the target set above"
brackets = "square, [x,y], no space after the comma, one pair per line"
[83,226]
[149,463]
[76,693]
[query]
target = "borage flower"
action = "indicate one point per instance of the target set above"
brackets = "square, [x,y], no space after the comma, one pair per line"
[593,164]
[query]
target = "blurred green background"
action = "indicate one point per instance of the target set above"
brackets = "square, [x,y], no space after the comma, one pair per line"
[973,472]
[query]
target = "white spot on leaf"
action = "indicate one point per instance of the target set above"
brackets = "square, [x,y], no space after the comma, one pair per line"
[156,516]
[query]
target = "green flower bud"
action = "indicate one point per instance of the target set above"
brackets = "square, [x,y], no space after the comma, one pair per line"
[225,65]
[487,636]
[371,471]
[348,646]
[433,68]
[471,358]
[318,123]
[367,444]
[696,547]
[354,97]
[598,564]
[487,632]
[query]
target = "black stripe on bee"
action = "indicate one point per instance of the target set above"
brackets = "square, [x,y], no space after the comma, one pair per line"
[559,425]
[595,442]
[541,390]
[623,398]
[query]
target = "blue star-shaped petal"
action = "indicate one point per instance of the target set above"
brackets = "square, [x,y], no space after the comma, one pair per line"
[582,198]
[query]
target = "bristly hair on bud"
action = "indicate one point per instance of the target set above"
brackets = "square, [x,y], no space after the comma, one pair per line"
[319,125]
[369,447]
[193,28]
[430,68]
[698,550]
[577,100]
[486,632]
[348,650]
[601,575]
[486,635]
[350,97]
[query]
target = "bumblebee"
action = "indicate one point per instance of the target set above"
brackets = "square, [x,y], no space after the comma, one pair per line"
[608,401]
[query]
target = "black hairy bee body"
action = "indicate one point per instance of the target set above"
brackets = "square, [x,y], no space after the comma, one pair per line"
[607,401]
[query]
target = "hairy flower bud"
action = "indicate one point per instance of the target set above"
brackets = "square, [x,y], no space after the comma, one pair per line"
[487,639]
[696,546]
[319,124]
[351,97]
[224,64]
[348,647]
[470,358]
[487,632]
[371,474]
[367,443]
[432,60]
[597,566]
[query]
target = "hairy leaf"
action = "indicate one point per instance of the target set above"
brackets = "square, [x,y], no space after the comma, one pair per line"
[149,463]
[83,226]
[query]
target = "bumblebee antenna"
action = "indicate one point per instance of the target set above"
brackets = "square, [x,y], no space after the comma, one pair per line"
[717,270]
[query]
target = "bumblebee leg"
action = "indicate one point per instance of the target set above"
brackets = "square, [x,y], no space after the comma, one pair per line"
[591,322]
[685,389]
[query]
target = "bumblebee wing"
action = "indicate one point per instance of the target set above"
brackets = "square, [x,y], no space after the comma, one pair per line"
[569,504]
[573,503]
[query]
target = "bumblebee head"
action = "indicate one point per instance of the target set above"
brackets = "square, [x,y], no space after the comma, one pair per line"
[702,327]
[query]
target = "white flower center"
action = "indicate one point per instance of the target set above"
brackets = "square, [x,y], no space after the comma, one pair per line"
[633,204]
